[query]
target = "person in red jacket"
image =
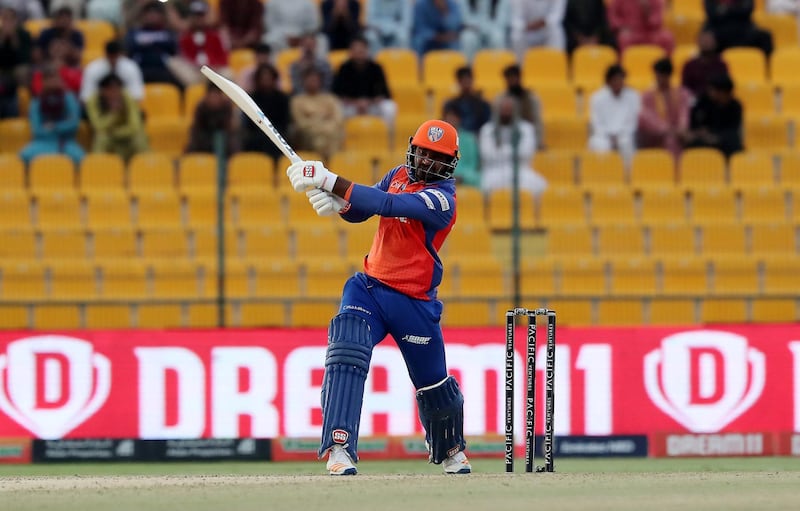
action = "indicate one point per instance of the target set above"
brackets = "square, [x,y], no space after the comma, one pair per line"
[202,44]
[639,22]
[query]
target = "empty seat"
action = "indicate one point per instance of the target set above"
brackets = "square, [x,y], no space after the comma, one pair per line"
[566,132]
[270,242]
[560,100]
[165,243]
[258,209]
[105,316]
[573,311]
[122,279]
[583,277]
[308,239]
[662,205]
[202,315]
[201,210]
[400,66]
[774,310]
[652,168]
[197,173]
[357,166]
[108,209]
[150,171]
[240,59]
[250,171]
[439,67]
[467,314]
[12,172]
[560,206]
[766,132]
[638,61]
[101,172]
[488,65]
[161,100]
[471,207]
[158,209]
[746,65]
[612,205]
[299,211]
[263,315]
[56,317]
[683,276]
[72,281]
[366,133]
[672,239]
[501,209]
[764,204]
[782,275]
[735,276]
[598,170]
[713,204]
[756,98]
[192,95]
[633,276]
[672,311]
[620,240]
[569,240]
[177,279]
[113,243]
[773,238]
[64,244]
[51,172]
[589,64]
[538,277]
[715,310]
[751,168]
[620,312]
[479,278]
[558,167]
[58,209]
[782,26]
[313,313]
[784,63]
[14,135]
[474,240]
[22,280]
[275,278]
[14,317]
[15,209]
[543,65]
[168,135]
[358,239]
[159,315]
[324,278]
[18,243]
[702,167]
[723,238]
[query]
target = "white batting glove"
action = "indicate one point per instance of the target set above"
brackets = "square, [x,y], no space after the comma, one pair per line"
[310,174]
[325,203]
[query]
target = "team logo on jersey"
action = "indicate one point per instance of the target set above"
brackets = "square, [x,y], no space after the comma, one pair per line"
[435,133]
[308,171]
[340,436]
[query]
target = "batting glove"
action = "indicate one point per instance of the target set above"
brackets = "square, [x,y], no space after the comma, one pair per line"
[310,174]
[325,203]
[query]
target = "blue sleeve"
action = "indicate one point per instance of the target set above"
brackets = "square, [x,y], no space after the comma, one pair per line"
[431,206]
[70,124]
[355,214]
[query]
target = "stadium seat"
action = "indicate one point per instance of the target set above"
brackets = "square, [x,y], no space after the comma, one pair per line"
[18,243]
[558,167]
[400,66]
[633,276]
[756,98]
[570,240]
[601,170]
[73,280]
[783,66]
[192,96]
[638,62]
[253,209]
[566,132]
[783,28]
[766,132]
[324,278]
[298,211]
[713,204]
[404,128]
[367,133]
[561,206]
[158,209]
[488,65]
[538,277]
[726,311]
[790,171]
[782,275]
[620,239]
[161,100]
[201,210]
[96,33]
[108,209]
[64,244]
[51,172]
[12,172]
[14,317]
[250,171]
[309,240]
[683,53]
[652,168]
[115,243]
[176,279]
[672,311]
[796,205]
[727,238]
[688,8]
[165,243]
[751,168]
[773,238]
[471,206]
[573,311]
[240,59]
[15,209]
[122,279]
[57,209]
[277,278]
[101,172]
[620,312]
[683,28]
[543,66]
[501,210]
[682,276]
[662,205]
[358,238]
[56,317]
[612,206]
[765,203]
[439,67]
[263,315]
[557,101]
[203,244]
[168,135]
[735,276]
[15,133]
[583,277]
[411,99]
[283,63]
[107,316]
[313,313]
[197,174]
[23,280]
[774,310]
[357,166]
[702,167]
[746,65]
[266,242]
[467,314]
[237,278]
[479,278]
[151,172]
[672,239]
[159,316]
[589,65]
[464,240]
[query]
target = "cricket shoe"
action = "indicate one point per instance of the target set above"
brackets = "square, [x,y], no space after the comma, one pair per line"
[339,462]
[457,464]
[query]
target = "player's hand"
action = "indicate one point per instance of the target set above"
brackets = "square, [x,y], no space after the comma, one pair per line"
[310,174]
[325,203]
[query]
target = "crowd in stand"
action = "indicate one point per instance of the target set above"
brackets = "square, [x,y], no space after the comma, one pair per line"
[169,41]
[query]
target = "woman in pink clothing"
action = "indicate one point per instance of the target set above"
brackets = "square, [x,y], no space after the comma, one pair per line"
[665,112]
[639,22]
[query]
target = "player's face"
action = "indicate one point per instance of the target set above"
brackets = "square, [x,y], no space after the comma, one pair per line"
[430,165]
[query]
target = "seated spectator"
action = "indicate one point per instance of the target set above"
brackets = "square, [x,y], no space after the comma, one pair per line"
[63,27]
[106,10]
[388,24]
[436,25]
[783,7]
[241,22]
[537,23]
[716,118]
[614,115]
[708,62]
[76,6]
[640,22]
[502,139]
[468,168]
[71,76]
[117,63]
[361,85]
[214,114]
[316,116]
[116,120]
[153,45]
[201,44]
[340,22]
[732,24]
[286,22]
[178,14]
[275,105]
[586,23]
[15,60]
[665,111]
[263,56]
[54,117]
[470,105]
[25,9]
[486,25]
[310,59]
[530,108]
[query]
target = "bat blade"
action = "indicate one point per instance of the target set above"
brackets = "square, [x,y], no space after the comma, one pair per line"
[249,107]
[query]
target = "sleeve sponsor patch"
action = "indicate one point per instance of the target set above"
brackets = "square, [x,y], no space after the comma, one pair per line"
[428,201]
[442,198]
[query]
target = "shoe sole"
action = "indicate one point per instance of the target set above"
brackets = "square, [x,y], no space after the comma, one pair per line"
[462,471]
[347,472]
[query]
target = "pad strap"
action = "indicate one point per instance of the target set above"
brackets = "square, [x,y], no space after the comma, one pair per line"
[441,411]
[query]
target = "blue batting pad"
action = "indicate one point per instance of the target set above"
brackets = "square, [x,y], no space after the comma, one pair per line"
[441,410]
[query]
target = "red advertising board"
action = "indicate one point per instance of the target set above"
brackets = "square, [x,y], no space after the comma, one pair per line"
[265,383]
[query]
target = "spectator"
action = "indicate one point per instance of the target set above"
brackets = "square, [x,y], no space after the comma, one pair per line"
[25,9]
[486,25]
[117,63]
[716,118]
[106,10]
[309,59]
[537,23]
[467,171]
[340,22]
[502,139]
[213,115]
[241,22]
[178,14]
[70,75]
[586,23]
[153,45]
[76,6]
[530,108]
[783,7]
[116,120]
[200,44]
[470,105]
[436,25]
[732,24]
[707,63]
[388,24]
[63,27]
[263,56]
[275,105]
[614,115]
[286,22]
[361,85]
[640,22]
[665,111]
[15,61]
[317,117]
[54,117]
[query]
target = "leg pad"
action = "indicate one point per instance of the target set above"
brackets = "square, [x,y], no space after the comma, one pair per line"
[441,410]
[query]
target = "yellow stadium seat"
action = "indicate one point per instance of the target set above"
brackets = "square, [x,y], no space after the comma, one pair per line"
[176,278]
[411,99]
[123,280]
[250,171]
[74,280]
[735,276]
[36,26]
[102,172]
[683,28]
[159,316]
[96,33]
[203,244]
[783,28]
[566,132]
[18,242]
[570,240]
[683,53]
[168,135]
[113,243]
[538,277]
[201,210]
[313,240]
[366,133]
[746,65]
[324,278]
[161,100]
[620,239]
[51,172]
[202,315]
[714,310]
[240,59]
[589,65]
[672,239]
[470,206]
[488,65]
[358,238]
[104,316]
[774,310]
[652,168]
[15,134]
[544,66]
[723,238]
[58,209]
[682,276]
[439,67]
[616,312]
[150,171]
[299,211]
[15,209]
[158,209]
[283,63]
[573,312]
[751,168]
[764,204]
[557,101]
[795,206]
[713,204]
[501,209]
[108,209]
[14,317]
[601,170]
[263,315]
[165,243]
[662,205]
[702,167]
[197,173]
[633,276]
[483,278]
[23,280]
[266,242]
[756,98]
[56,317]
[467,314]
[258,209]
[790,99]
[583,277]
[783,66]
[404,128]
[772,238]
[612,206]
[473,240]
[192,96]
[766,132]
[561,205]
[790,171]
[12,177]
[400,66]
[672,311]
[357,166]
[638,61]
[782,275]
[237,278]
[688,8]
[558,167]
[313,313]
[276,278]
[64,244]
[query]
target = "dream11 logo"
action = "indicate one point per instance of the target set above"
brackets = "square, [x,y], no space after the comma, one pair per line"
[704,379]
[51,384]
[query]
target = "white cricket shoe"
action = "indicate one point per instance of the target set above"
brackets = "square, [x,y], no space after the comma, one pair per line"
[339,462]
[457,464]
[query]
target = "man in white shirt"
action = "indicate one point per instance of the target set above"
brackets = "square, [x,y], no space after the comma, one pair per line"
[614,115]
[114,61]
[287,21]
[486,25]
[537,23]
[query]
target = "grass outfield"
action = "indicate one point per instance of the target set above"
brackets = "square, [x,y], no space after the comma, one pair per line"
[635,484]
